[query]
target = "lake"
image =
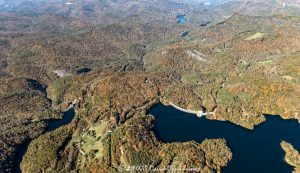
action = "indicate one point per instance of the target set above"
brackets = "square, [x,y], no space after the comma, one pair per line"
[181,18]
[53,124]
[185,34]
[254,151]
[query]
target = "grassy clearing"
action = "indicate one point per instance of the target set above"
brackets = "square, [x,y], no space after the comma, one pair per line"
[267,62]
[91,140]
[258,35]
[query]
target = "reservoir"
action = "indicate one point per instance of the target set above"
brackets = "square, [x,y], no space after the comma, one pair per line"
[180,19]
[53,124]
[254,151]
[185,34]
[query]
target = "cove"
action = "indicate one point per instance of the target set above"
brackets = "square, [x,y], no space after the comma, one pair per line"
[254,151]
[53,124]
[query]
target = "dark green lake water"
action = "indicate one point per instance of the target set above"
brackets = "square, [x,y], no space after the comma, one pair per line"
[254,151]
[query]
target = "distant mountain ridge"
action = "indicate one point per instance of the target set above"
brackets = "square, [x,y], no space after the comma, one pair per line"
[79,8]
